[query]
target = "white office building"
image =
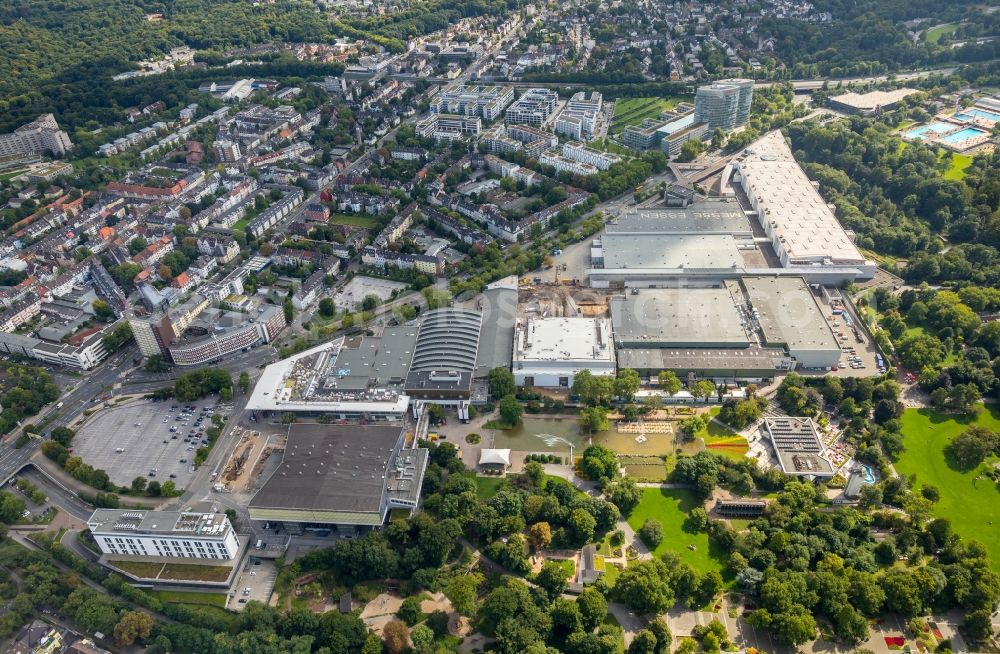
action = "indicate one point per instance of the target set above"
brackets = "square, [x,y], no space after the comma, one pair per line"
[580,152]
[170,534]
[40,136]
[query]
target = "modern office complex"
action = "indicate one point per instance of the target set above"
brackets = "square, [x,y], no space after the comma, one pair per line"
[669,135]
[487,102]
[347,478]
[533,108]
[549,352]
[725,104]
[578,119]
[41,136]
[449,127]
[170,534]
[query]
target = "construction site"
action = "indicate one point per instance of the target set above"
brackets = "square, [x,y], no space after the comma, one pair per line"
[245,466]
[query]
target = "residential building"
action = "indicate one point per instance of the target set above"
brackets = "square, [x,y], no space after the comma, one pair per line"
[449,127]
[579,152]
[41,136]
[487,102]
[532,108]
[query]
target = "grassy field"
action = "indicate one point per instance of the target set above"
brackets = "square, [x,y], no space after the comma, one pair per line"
[183,597]
[959,164]
[632,111]
[671,507]
[935,34]
[972,505]
[487,487]
[366,222]
[720,440]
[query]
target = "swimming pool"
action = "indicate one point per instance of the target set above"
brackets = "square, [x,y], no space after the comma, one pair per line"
[869,475]
[964,134]
[936,128]
[969,114]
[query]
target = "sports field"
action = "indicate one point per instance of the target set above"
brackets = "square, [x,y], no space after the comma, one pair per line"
[935,34]
[670,506]
[971,502]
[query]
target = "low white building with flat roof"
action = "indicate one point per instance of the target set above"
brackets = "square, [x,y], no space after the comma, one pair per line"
[171,534]
[549,352]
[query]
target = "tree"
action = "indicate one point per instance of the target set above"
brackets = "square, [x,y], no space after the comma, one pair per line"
[599,463]
[593,607]
[651,533]
[244,382]
[462,590]
[102,310]
[553,579]
[289,309]
[664,638]
[918,350]
[645,587]
[327,308]
[626,384]
[501,382]
[423,639]
[702,390]
[409,611]
[669,382]
[970,448]
[540,535]
[510,410]
[624,494]
[978,625]
[138,485]
[690,150]
[133,626]
[396,637]
[594,418]
[582,524]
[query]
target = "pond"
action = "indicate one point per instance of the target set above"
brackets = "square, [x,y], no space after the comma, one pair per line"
[556,435]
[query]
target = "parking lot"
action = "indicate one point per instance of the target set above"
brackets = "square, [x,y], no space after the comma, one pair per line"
[136,441]
[862,361]
[256,575]
[356,290]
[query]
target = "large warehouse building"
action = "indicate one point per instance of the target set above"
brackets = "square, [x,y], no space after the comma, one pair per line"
[342,477]
[772,222]
[747,329]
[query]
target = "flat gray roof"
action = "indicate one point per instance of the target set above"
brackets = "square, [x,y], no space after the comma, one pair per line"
[678,317]
[659,251]
[736,362]
[706,217]
[331,468]
[789,314]
[496,339]
[382,358]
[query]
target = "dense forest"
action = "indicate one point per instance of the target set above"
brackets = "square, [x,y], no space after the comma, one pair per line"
[870,38]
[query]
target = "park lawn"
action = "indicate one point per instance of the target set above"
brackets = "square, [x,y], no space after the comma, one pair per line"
[935,34]
[565,564]
[959,164]
[487,487]
[972,505]
[670,506]
[193,598]
[720,439]
[366,222]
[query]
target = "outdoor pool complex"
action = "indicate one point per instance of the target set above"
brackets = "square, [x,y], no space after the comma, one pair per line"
[969,114]
[936,128]
[963,135]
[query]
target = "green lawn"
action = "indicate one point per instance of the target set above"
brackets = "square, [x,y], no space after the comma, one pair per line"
[720,439]
[670,507]
[632,111]
[184,597]
[487,487]
[139,568]
[936,33]
[240,225]
[959,164]
[972,505]
[367,222]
